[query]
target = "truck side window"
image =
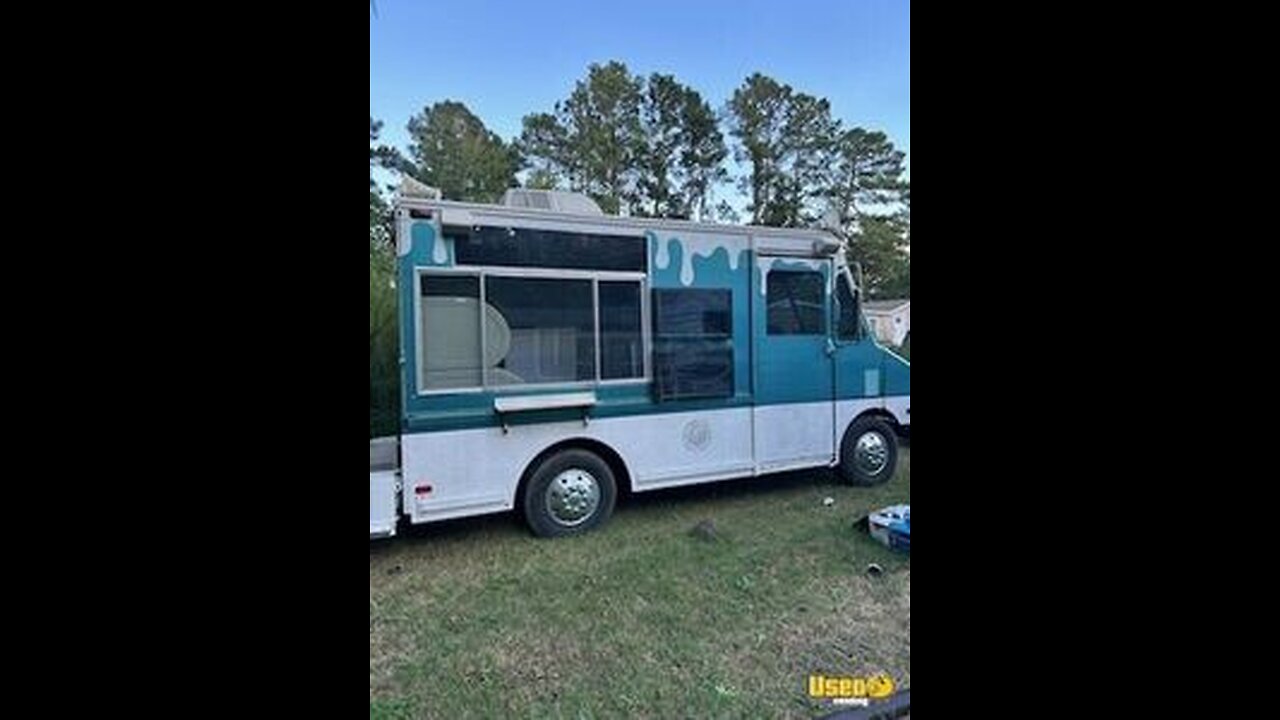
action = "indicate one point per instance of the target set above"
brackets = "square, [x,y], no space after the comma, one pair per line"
[450,315]
[621,339]
[525,247]
[796,303]
[536,330]
[544,333]
[847,327]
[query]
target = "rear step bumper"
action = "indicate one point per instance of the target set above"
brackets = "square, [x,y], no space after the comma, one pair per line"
[384,486]
[383,510]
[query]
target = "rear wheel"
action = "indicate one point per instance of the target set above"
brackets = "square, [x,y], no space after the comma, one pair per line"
[869,452]
[570,492]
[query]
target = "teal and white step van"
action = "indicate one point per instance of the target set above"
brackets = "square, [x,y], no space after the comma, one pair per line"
[553,356]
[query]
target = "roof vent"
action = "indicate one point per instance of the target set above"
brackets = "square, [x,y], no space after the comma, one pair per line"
[412,188]
[553,200]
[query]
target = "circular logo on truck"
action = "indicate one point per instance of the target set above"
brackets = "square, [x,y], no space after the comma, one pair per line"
[697,435]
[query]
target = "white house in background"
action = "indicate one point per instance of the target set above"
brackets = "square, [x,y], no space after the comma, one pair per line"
[890,319]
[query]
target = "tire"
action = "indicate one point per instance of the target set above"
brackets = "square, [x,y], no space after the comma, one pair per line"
[868,452]
[569,493]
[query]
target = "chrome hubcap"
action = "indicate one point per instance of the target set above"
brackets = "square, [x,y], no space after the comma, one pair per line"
[572,497]
[871,453]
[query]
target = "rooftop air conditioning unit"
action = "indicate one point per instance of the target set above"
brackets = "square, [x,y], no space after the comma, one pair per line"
[553,200]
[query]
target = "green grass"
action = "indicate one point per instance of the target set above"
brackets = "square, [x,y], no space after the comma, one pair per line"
[478,618]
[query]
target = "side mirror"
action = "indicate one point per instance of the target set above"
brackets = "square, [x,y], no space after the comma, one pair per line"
[847,311]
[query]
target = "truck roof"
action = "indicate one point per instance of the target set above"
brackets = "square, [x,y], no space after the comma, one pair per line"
[469,214]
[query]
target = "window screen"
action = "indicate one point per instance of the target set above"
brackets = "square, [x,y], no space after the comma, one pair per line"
[693,343]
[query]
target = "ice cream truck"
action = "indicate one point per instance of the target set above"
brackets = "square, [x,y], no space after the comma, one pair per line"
[553,356]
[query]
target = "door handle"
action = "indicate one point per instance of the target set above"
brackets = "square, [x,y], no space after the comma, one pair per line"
[831,347]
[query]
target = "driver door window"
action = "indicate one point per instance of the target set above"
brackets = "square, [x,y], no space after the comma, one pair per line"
[847,307]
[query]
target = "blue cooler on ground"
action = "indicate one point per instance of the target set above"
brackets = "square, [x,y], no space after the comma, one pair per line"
[892,526]
[900,535]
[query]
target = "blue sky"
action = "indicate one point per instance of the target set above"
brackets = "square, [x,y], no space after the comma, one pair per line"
[508,59]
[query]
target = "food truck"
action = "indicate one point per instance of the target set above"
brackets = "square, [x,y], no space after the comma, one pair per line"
[553,356]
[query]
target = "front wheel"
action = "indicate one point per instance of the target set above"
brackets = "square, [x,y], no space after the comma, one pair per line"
[569,493]
[869,452]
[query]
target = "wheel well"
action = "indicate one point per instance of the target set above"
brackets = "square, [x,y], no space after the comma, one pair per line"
[881,414]
[606,453]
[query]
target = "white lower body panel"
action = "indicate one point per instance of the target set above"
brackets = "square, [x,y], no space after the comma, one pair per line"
[791,436]
[458,473]
[476,471]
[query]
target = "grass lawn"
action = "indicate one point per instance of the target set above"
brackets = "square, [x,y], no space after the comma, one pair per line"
[478,618]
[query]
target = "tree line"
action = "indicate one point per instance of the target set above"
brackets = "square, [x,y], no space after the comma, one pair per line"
[654,147]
